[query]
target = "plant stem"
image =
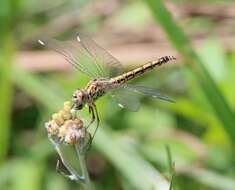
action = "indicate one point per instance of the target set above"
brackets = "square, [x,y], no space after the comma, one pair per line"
[82,159]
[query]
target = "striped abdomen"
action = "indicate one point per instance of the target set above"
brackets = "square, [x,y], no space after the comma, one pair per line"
[141,70]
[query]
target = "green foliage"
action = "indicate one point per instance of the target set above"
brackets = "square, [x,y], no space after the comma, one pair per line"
[5,96]
[197,66]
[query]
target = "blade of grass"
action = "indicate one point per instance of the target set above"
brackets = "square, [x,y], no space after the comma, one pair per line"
[211,179]
[201,74]
[171,167]
[5,95]
[130,163]
[204,176]
[21,176]
[41,92]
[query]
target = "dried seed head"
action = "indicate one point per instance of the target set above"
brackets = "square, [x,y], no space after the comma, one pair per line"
[68,122]
[52,127]
[67,115]
[75,136]
[62,132]
[61,113]
[64,127]
[54,116]
[78,123]
[71,137]
[71,131]
[58,119]
[67,106]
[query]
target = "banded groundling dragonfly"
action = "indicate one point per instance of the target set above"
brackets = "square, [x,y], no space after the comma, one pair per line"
[106,73]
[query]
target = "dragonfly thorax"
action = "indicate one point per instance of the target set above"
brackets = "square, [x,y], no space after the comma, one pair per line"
[96,89]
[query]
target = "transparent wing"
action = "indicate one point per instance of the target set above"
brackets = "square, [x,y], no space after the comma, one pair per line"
[86,56]
[126,95]
[148,91]
[68,51]
[102,57]
[126,99]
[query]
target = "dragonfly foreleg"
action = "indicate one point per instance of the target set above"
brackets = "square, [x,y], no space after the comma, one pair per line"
[94,115]
[98,121]
[91,111]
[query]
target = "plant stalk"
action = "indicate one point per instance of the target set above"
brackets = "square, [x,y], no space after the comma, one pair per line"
[82,159]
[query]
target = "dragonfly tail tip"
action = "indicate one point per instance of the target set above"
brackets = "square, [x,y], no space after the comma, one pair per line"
[171,57]
[78,38]
[41,42]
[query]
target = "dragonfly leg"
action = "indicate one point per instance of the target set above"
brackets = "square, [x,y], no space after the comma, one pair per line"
[91,110]
[98,121]
[95,115]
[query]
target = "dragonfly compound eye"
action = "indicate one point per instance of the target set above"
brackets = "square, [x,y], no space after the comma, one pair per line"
[74,98]
[77,95]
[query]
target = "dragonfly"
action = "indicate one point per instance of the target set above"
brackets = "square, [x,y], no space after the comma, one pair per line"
[106,73]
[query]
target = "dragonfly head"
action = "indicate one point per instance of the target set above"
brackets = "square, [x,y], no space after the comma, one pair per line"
[79,99]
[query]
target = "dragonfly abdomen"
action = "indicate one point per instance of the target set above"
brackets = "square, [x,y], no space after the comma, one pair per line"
[142,69]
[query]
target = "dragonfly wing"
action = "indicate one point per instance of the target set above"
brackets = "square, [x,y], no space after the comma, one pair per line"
[148,91]
[101,56]
[86,56]
[66,49]
[126,99]
[126,95]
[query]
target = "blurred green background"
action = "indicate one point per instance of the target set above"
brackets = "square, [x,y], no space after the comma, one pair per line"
[129,151]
